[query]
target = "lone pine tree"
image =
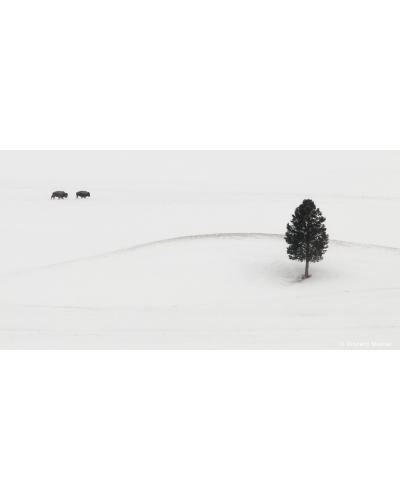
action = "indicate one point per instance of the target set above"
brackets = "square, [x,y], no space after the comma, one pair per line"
[306,234]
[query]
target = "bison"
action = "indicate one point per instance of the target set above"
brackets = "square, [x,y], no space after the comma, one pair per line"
[83,194]
[59,194]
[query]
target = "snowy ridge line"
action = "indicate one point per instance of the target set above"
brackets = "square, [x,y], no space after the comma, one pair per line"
[151,243]
[364,245]
[196,237]
[193,237]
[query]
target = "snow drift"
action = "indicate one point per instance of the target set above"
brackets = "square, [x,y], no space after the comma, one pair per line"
[224,290]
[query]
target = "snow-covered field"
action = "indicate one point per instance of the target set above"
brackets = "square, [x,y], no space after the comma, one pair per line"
[186,250]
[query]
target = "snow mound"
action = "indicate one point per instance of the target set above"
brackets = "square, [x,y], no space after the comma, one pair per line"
[223,290]
[192,270]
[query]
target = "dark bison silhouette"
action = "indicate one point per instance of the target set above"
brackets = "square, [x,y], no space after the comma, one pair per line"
[83,194]
[59,194]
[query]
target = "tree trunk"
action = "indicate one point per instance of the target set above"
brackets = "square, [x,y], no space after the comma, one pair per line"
[307,264]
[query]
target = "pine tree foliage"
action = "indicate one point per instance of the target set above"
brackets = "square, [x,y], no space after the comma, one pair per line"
[306,234]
